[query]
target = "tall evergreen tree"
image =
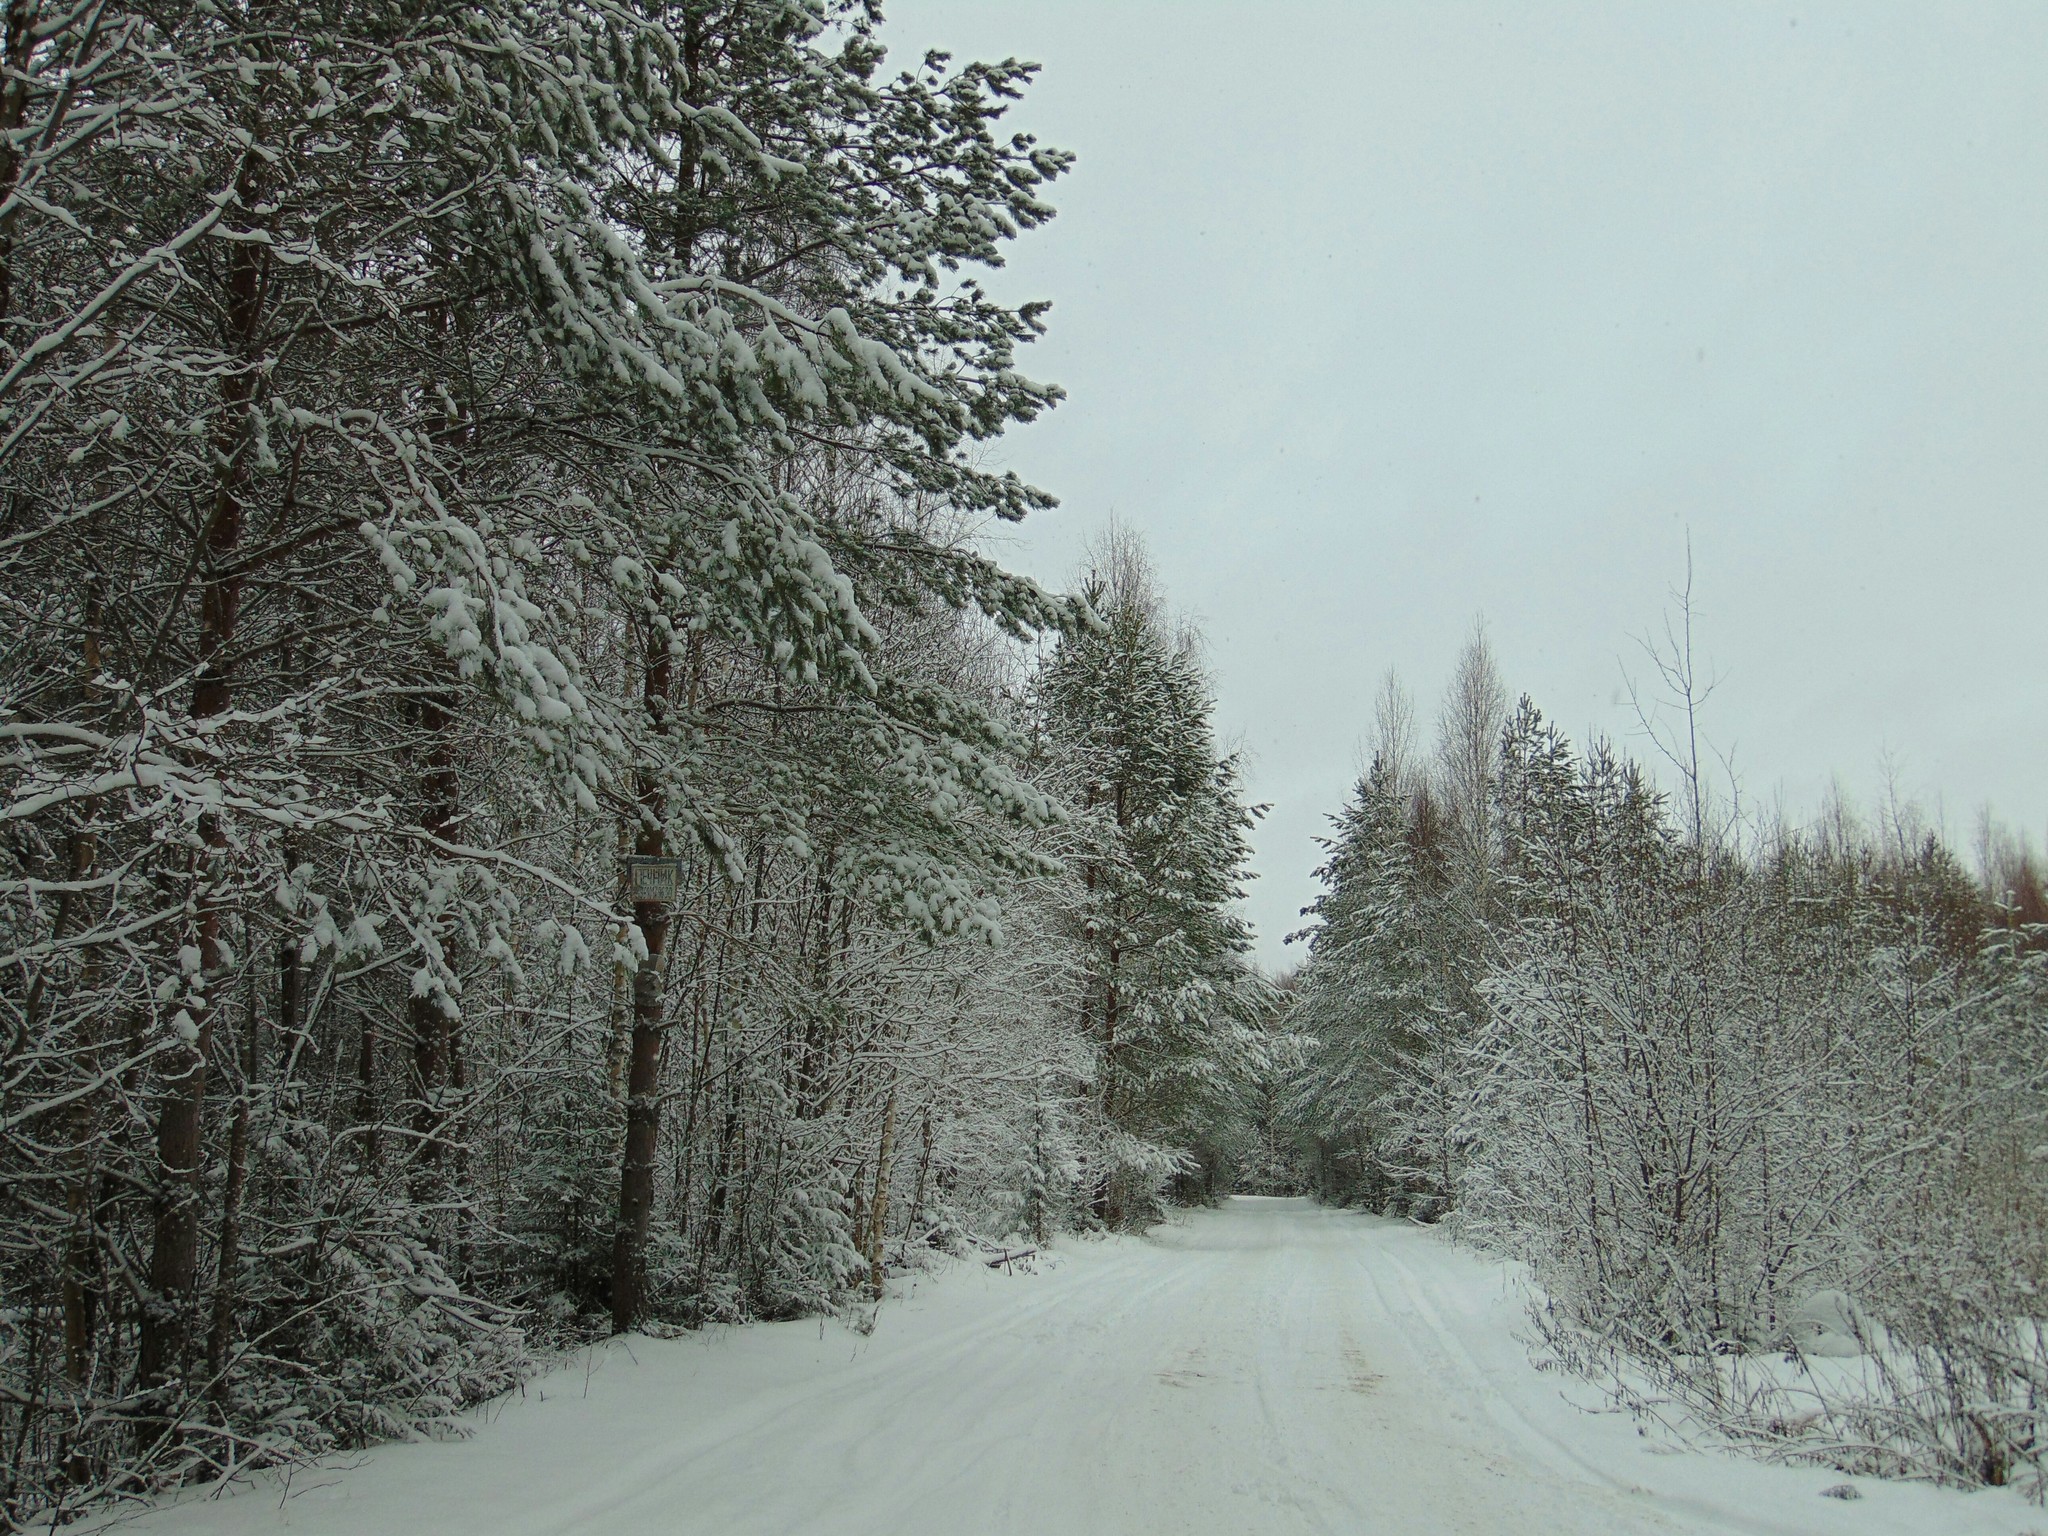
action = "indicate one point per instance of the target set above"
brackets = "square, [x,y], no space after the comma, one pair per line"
[1169,988]
[1369,997]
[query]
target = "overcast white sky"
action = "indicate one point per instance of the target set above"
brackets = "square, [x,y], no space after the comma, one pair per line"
[1374,317]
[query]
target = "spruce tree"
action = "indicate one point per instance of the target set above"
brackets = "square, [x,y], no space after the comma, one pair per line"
[1169,989]
[1369,997]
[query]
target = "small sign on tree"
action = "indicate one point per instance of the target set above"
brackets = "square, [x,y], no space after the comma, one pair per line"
[653,878]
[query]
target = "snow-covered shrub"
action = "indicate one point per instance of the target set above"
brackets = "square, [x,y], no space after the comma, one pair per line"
[1718,1093]
[1709,1082]
[814,1265]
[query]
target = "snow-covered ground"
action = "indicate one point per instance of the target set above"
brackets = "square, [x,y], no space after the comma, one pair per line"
[1269,1367]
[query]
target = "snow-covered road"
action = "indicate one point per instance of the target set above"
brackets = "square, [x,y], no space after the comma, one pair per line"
[1269,1367]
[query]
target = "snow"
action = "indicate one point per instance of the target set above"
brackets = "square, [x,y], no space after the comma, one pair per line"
[1268,1367]
[1829,1326]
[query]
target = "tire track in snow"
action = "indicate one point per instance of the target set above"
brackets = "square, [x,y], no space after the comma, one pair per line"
[877,1399]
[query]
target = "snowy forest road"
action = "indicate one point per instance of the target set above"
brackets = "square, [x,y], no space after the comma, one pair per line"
[1268,1367]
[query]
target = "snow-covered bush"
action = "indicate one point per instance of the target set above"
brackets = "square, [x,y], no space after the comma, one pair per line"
[1758,1108]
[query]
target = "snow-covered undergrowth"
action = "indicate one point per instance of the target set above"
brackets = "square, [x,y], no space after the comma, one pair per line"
[1960,1411]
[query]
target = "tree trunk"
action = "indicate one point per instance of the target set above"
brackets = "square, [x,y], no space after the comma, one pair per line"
[366,1093]
[174,1249]
[225,1292]
[643,1072]
[643,1133]
[924,1169]
[878,1207]
[430,1025]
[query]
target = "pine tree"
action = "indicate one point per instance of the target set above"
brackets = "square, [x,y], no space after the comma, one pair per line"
[443,451]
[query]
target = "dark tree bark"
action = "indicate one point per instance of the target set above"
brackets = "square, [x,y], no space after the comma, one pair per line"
[643,1086]
[431,1027]
[174,1250]
[220,1337]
